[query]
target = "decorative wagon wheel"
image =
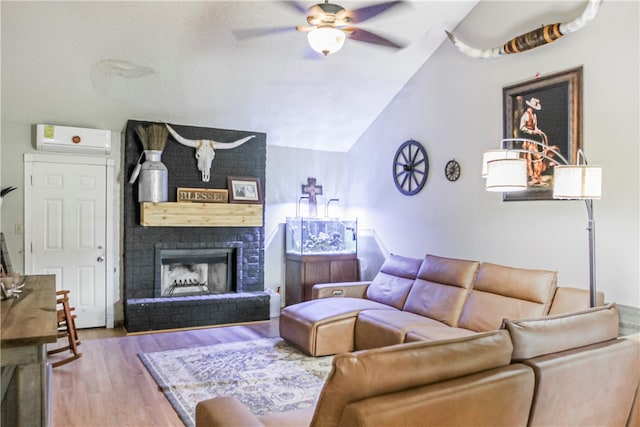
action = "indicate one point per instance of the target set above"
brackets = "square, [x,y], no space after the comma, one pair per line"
[452,170]
[410,167]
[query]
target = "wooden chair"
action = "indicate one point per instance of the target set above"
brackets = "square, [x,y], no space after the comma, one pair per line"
[66,329]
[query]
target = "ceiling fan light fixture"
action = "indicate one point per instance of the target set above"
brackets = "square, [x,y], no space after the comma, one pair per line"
[326,40]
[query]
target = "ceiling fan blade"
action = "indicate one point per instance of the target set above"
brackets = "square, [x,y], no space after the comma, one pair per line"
[368,12]
[296,6]
[369,37]
[304,29]
[252,33]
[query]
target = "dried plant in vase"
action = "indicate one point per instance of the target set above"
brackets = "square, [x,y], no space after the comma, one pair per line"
[153,137]
[153,184]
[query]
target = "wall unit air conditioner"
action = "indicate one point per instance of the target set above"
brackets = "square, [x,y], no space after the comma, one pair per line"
[65,139]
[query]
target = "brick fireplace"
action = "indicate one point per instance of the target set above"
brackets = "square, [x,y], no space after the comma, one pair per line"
[178,277]
[198,269]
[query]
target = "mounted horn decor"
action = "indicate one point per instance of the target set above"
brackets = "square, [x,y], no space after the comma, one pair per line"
[205,150]
[538,37]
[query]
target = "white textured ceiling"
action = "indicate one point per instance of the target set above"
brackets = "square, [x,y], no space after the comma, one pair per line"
[202,75]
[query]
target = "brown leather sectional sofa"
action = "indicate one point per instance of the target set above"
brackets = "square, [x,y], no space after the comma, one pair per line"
[565,370]
[427,343]
[423,299]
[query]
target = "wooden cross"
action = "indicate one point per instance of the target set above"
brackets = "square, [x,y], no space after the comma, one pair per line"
[312,190]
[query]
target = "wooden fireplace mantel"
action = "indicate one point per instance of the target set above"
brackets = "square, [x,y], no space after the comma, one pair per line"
[172,214]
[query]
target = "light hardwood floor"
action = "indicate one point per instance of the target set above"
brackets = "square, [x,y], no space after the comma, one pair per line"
[109,386]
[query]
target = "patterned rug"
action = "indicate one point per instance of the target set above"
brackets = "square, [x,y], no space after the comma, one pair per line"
[267,375]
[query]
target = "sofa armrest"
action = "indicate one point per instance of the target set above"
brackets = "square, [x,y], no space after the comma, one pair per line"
[634,415]
[224,412]
[343,289]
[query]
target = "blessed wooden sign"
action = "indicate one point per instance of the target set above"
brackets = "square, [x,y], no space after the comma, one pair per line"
[203,195]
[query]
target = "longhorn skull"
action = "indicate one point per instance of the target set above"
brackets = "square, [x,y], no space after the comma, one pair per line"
[538,37]
[205,150]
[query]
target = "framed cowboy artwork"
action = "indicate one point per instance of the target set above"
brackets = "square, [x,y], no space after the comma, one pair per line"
[548,111]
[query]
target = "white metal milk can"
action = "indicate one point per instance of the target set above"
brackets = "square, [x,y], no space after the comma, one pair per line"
[154,183]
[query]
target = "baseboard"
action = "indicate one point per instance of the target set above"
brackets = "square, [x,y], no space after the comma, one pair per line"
[194,328]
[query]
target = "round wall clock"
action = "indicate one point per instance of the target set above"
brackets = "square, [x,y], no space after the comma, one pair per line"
[452,170]
[410,167]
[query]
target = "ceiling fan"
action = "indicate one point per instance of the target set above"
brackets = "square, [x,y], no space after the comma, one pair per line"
[330,24]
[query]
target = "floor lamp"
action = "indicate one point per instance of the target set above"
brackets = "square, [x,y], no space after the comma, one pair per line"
[506,170]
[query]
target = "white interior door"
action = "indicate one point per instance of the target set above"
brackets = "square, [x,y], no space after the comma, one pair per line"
[68,233]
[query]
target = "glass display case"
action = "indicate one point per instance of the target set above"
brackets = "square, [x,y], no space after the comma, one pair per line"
[321,236]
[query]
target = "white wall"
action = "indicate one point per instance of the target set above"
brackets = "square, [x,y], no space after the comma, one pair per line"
[453,105]
[287,170]
[16,140]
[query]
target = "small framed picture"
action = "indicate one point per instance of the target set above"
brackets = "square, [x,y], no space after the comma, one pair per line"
[244,190]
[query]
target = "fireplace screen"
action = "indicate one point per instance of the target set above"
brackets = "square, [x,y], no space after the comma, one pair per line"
[196,272]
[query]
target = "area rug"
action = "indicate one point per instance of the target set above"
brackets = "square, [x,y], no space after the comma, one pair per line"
[267,375]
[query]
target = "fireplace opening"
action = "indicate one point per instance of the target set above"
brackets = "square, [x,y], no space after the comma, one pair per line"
[189,271]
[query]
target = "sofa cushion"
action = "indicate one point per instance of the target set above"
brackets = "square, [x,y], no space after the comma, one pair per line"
[359,375]
[433,333]
[590,384]
[394,280]
[324,326]
[495,397]
[536,337]
[501,292]
[441,288]
[380,328]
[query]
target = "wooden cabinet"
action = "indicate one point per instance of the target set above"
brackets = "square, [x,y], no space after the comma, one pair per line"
[304,271]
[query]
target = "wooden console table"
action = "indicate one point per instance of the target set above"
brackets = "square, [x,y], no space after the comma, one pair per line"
[28,323]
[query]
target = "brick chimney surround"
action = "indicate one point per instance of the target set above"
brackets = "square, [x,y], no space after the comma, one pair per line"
[144,308]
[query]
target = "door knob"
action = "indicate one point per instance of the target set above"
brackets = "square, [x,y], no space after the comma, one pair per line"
[100,258]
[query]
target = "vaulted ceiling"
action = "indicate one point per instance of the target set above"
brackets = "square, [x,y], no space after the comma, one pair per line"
[98,64]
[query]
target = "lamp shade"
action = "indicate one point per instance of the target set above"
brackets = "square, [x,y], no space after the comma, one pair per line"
[506,175]
[326,40]
[490,155]
[577,182]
